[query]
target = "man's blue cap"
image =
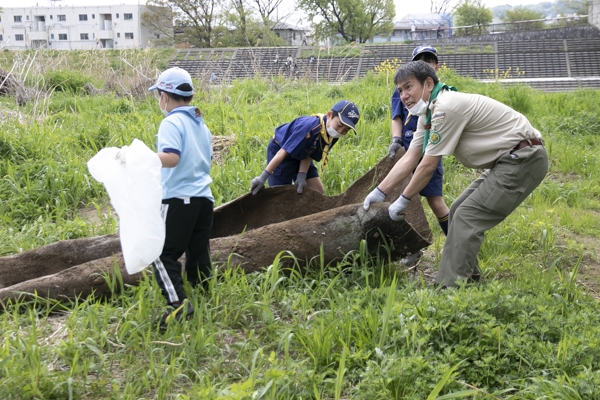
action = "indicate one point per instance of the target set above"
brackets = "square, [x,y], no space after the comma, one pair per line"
[348,113]
[424,48]
[171,78]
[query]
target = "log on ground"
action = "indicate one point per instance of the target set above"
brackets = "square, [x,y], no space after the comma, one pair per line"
[337,231]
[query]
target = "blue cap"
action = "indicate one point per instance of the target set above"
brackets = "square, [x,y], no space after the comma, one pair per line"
[348,113]
[171,78]
[424,48]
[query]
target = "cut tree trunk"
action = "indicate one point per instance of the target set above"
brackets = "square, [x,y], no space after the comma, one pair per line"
[331,233]
[248,232]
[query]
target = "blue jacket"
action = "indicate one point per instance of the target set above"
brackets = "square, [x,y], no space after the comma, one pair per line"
[301,138]
[409,122]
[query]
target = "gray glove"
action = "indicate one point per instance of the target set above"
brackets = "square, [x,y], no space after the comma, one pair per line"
[395,146]
[259,182]
[300,181]
[376,196]
[397,207]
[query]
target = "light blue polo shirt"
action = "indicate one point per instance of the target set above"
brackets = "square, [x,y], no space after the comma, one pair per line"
[184,133]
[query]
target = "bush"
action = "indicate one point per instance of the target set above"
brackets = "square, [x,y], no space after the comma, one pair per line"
[65,81]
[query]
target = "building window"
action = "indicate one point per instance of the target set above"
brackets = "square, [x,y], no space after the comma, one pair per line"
[118,34]
[93,36]
[83,17]
[61,17]
[52,16]
[84,36]
[52,36]
[27,18]
[0,38]
[127,16]
[117,15]
[62,36]
[93,16]
[128,35]
[19,38]
[18,18]
[157,35]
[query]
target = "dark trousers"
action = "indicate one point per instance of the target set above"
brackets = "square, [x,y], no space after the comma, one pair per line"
[188,226]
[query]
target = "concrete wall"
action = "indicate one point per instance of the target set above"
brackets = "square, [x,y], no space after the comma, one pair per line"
[594,13]
[74,28]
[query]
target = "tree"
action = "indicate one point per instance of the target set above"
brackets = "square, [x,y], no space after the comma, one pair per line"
[353,20]
[441,6]
[266,8]
[195,20]
[159,21]
[579,7]
[520,13]
[472,12]
[241,27]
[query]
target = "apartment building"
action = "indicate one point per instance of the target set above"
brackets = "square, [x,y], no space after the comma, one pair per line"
[74,28]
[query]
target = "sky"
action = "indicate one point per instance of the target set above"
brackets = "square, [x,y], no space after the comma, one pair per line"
[403,7]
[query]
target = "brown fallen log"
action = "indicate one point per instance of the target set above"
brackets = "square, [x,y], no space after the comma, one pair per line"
[77,281]
[276,204]
[55,257]
[338,231]
[334,232]
[243,215]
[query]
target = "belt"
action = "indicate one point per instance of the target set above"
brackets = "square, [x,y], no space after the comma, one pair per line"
[528,142]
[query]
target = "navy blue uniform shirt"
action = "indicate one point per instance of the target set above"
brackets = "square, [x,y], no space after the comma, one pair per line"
[409,122]
[301,138]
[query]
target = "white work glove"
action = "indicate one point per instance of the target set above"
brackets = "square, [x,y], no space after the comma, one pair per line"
[300,181]
[376,196]
[397,207]
[122,154]
[259,182]
[395,146]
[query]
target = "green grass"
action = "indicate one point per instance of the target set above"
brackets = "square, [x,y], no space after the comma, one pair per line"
[361,329]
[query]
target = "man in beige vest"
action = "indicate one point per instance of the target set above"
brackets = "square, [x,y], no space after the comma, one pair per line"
[481,133]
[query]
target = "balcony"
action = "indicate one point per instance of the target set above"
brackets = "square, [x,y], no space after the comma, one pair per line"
[33,35]
[104,34]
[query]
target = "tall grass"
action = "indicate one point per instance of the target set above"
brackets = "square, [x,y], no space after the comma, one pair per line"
[361,329]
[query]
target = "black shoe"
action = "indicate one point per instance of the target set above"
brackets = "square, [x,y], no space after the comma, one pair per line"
[475,278]
[179,313]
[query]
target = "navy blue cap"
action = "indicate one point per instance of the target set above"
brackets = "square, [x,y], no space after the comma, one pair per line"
[424,48]
[348,113]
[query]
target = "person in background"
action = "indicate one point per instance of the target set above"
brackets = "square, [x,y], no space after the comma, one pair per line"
[184,147]
[404,124]
[481,133]
[295,145]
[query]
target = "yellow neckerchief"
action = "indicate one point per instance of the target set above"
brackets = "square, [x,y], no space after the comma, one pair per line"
[326,138]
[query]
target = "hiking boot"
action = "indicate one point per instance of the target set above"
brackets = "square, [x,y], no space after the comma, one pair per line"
[179,313]
[410,260]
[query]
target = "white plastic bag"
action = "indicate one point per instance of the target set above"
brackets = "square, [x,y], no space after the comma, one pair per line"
[136,194]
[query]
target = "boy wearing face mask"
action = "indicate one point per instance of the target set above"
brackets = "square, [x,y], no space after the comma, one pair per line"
[295,145]
[404,124]
[185,150]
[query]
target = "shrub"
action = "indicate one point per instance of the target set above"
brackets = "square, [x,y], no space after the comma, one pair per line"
[65,81]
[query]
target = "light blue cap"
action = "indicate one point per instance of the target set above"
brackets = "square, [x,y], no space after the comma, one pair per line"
[171,78]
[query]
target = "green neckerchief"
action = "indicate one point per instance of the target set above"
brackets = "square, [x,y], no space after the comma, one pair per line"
[434,94]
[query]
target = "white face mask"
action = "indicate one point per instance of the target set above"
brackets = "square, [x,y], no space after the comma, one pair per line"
[333,133]
[164,110]
[420,107]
